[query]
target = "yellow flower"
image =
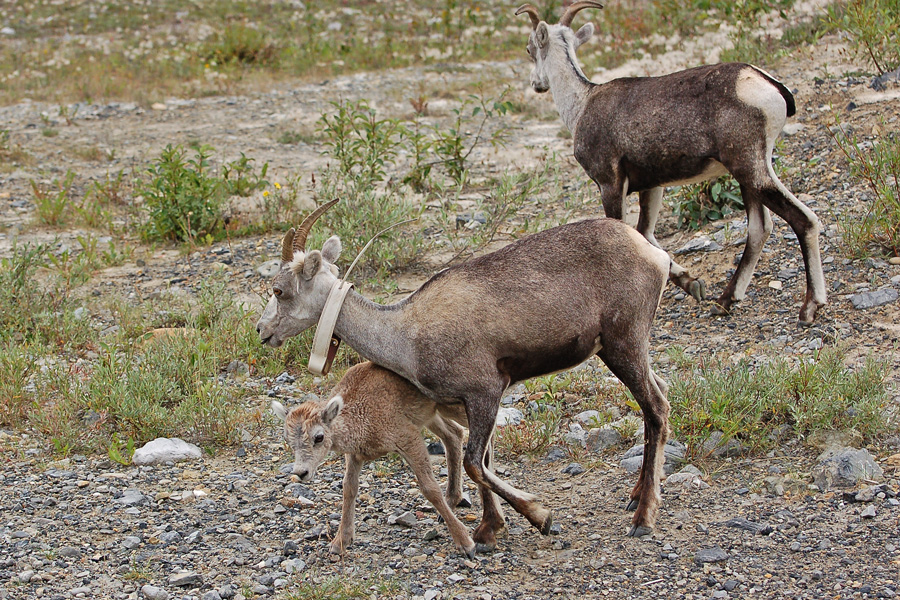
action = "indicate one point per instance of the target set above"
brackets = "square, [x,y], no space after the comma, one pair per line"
[277,186]
[265,193]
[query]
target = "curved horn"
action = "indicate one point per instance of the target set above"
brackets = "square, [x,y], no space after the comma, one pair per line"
[531,12]
[573,10]
[287,246]
[306,225]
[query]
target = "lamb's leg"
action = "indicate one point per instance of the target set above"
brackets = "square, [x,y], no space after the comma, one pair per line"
[451,434]
[415,453]
[630,362]
[759,227]
[343,539]
[481,411]
[650,203]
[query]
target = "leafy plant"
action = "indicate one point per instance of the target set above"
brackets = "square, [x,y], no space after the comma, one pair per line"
[240,179]
[51,202]
[455,144]
[115,450]
[362,143]
[708,201]
[872,28]
[184,196]
[879,167]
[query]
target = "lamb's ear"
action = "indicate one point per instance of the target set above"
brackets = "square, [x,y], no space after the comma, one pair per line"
[584,34]
[331,249]
[279,410]
[542,35]
[311,265]
[332,410]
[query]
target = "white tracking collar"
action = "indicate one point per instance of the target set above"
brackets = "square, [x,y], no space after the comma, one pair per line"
[325,343]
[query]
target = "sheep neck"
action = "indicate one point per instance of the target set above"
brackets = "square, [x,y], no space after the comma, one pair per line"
[568,83]
[379,333]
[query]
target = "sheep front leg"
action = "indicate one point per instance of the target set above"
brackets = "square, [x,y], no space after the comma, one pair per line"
[481,411]
[343,539]
[447,425]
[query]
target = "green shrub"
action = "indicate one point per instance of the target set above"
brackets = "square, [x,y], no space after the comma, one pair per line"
[184,196]
[872,28]
[242,45]
[878,166]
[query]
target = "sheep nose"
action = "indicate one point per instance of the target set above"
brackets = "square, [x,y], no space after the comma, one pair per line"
[258,329]
[301,473]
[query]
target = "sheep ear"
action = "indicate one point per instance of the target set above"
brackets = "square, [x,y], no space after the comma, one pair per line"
[311,265]
[332,249]
[542,35]
[332,410]
[584,34]
[279,410]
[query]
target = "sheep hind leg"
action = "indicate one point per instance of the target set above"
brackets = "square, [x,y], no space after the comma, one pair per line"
[492,521]
[650,202]
[631,364]
[344,537]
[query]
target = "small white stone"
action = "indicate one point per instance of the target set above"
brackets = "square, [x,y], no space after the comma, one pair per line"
[775,284]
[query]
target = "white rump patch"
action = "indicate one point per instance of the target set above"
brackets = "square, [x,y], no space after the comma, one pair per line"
[755,90]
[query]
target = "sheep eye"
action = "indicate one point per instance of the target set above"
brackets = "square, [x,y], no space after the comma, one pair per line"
[277,292]
[320,437]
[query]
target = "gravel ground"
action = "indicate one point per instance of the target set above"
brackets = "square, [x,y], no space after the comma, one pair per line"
[235,523]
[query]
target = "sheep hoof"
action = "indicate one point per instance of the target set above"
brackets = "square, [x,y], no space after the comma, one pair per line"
[639,531]
[718,310]
[548,522]
[631,506]
[482,548]
[697,289]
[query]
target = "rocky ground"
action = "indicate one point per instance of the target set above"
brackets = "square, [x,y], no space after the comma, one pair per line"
[236,524]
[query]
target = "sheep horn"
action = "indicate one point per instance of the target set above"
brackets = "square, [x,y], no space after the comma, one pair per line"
[573,10]
[306,225]
[287,250]
[531,12]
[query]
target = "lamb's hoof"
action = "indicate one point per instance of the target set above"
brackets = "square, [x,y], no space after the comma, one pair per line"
[482,548]
[469,552]
[548,523]
[697,289]
[631,506]
[639,531]
[337,548]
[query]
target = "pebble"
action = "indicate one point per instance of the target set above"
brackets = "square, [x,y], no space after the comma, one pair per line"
[154,593]
[710,555]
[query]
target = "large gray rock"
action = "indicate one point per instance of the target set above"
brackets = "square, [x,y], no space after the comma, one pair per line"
[872,299]
[634,457]
[601,438]
[718,447]
[844,468]
[509,416]
[163,450]
[699,244]
[151,592]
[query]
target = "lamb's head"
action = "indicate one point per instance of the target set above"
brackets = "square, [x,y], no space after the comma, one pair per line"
[543,35]
[308,431]
[301,287]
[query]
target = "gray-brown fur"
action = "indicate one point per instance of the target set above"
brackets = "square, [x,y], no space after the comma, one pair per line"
[373,412]
[644,133]
[541,304]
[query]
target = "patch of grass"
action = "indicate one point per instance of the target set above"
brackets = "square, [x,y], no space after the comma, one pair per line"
[90,153]
[748,401]
[15,369]
[241,44]
[9,152]
[343,588]
[871,28]
[290,137]
[877,164]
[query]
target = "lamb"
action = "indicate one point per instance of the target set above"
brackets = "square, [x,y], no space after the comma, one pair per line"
[542,304]
[373,412]
[641,134]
